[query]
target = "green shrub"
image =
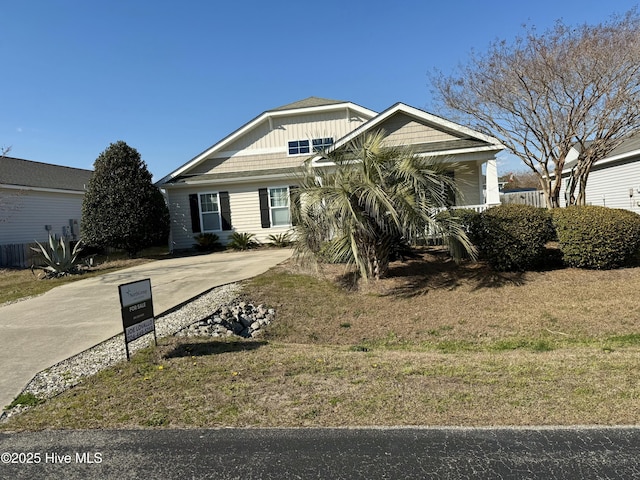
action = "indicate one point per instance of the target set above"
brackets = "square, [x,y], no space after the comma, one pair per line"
[242,241]
[513,237]
[207,242]
[597,237]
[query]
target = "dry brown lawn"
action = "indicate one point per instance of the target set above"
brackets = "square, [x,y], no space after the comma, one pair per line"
[434,344]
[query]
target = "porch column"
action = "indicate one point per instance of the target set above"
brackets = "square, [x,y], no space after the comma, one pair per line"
[493,190]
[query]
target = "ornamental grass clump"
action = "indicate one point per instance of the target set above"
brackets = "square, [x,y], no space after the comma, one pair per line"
[597,237]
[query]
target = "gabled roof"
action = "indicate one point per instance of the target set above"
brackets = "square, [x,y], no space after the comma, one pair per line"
[29,174]
[472,141]
[311,104]
[627,149]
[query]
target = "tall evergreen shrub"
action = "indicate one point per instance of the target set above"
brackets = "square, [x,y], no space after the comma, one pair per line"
[121,207]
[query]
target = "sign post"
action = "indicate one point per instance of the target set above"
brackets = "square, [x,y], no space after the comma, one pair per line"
[137,311]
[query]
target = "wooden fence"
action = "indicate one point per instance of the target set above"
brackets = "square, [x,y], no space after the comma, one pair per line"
[17,255]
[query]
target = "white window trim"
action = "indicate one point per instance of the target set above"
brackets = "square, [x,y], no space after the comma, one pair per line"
[311,149]
[298,154]
[217,194]
[323,145]
[271,209]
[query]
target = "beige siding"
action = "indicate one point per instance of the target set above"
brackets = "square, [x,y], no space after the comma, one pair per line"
[24,214]
[248,163]
[469,181]
[265,147]
[403,130]
[245,213]
[329,124]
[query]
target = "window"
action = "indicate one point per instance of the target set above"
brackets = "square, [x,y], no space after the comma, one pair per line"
[301,147]
[210,212]
[279,206]
[319,144]
[298,147]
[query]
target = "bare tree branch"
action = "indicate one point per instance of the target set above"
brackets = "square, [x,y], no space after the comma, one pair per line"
[546,93]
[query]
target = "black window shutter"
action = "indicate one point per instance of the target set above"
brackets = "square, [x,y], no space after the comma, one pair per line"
[265,216]
[225,210]
[195,213]
[294,204]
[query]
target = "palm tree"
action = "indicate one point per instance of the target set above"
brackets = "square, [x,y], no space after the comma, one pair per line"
[368,202]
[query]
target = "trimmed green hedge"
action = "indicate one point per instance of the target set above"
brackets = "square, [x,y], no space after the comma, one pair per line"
[512,237]
[597,237]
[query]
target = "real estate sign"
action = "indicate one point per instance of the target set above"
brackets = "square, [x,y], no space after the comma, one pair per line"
[136,303]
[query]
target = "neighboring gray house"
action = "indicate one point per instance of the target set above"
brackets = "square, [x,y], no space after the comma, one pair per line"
[242,182]
[37,199]
[614,181]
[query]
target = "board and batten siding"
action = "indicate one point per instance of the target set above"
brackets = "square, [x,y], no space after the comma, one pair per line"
[244,202]
[25,213]
[616,186]
[265,147]
[296,127]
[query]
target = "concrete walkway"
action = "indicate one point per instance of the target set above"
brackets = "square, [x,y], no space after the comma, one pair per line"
[40,332]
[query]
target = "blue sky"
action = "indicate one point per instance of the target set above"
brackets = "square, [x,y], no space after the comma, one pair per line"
[172,78]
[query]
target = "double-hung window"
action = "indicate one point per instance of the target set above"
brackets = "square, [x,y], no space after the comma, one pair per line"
[279,206]
[210,212]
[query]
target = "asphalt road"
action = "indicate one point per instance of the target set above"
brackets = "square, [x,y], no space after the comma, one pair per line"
[424,453]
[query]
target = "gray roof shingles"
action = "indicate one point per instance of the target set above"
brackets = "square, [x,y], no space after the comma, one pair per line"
[26,173]
[308,102]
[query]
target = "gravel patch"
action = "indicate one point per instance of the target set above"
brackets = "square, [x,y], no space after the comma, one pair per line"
[70,372]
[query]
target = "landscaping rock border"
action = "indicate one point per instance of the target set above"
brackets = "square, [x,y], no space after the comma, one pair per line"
[242,319]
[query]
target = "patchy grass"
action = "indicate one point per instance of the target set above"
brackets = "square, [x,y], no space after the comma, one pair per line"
[192,383]
[17,284]
[434,344]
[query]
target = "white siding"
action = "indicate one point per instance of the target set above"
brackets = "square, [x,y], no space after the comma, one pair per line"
[24,214]
[616,187]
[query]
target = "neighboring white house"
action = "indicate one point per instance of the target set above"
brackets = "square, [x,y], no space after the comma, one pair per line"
[37,199]
[614,181]
[242,182]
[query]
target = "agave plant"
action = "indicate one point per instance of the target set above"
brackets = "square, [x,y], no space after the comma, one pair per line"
[58,256]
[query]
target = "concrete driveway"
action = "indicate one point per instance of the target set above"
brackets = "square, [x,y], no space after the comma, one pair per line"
[40,332]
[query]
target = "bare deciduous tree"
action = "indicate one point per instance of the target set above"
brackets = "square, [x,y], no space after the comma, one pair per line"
[545,93]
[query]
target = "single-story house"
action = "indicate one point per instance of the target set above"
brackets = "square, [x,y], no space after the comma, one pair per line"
[37,199]
[614,181]
[241,183]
